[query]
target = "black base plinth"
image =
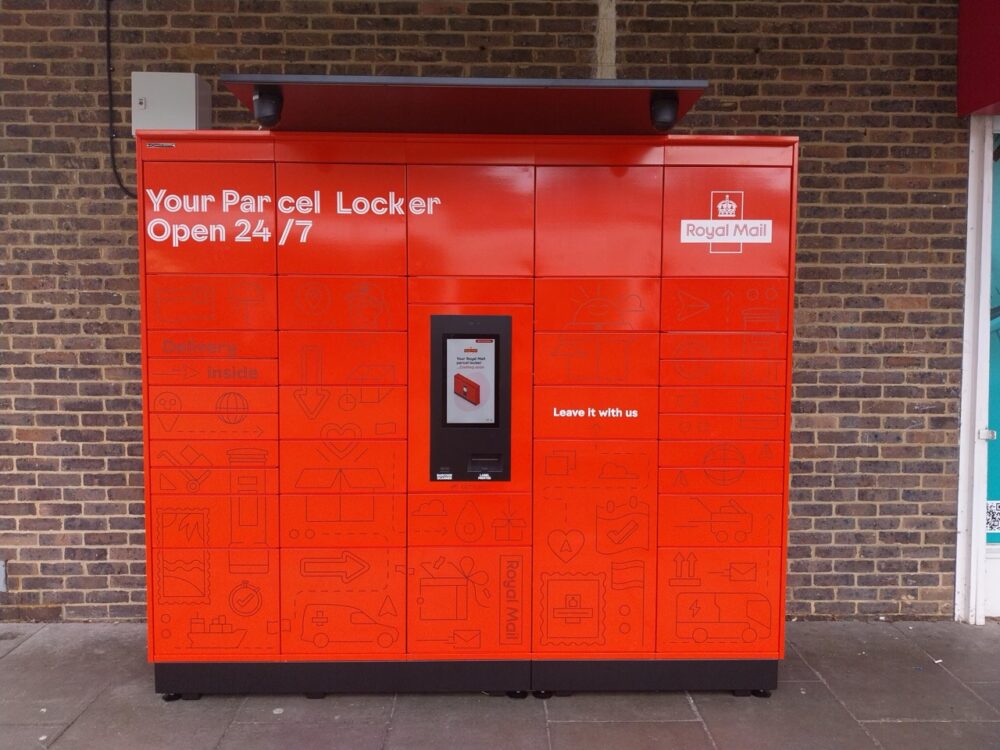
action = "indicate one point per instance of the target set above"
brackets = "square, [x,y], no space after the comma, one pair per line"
[209,678]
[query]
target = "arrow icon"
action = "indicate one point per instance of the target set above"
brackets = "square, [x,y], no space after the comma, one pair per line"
[388,608]
[310,398]
[311,365]
[184,373]
[688,305]
[346,567]
[727,297]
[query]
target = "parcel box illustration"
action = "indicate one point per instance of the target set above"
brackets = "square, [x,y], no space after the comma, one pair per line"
[438,412]
[466,388]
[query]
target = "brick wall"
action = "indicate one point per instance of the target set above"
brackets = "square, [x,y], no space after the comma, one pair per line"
[869,87]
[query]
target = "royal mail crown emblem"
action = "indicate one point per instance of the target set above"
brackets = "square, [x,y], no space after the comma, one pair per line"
[726,208]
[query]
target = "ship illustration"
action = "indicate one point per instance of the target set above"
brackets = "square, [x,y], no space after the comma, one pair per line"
[214,633]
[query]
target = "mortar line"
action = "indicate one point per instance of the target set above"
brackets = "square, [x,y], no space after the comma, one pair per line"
[606,39]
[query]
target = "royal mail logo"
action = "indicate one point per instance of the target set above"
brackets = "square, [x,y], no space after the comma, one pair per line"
[726,231]
[727,208]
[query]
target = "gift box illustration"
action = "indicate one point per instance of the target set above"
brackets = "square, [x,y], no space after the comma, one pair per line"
[509,528]
[448,586]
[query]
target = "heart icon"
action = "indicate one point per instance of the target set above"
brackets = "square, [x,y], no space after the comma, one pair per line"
[566,544]
[341,438]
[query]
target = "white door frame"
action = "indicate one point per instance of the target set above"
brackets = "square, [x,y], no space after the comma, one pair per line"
[970,554]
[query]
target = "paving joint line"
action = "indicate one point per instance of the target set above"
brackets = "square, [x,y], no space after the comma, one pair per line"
[836,697]
[940,663]
[232,721]
[548,724]
[929,721]
[701,719]
[388,722]
[27,638]
[622,721]
[974,685]
[76,718]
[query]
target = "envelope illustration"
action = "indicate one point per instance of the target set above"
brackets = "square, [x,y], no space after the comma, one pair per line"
[743,572]
[468,639]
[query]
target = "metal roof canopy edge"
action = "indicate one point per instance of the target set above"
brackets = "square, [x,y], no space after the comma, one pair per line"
[523,106]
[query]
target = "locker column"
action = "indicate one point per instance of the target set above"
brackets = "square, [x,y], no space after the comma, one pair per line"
[596,303]
[723,428]
[342,374]
[211,408]
[469,524]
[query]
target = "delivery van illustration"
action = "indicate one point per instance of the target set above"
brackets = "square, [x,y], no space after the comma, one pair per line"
[323,624]
[723,617]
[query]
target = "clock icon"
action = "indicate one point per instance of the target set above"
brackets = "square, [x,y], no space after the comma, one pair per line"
[245,599]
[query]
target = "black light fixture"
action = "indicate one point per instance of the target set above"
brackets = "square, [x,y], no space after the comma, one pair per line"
[663,107]
[267,101]
[490,106]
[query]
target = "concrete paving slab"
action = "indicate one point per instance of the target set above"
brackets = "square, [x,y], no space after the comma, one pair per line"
[796,716]
[89,686]
[960,647]
[924,735]
[13,634]
[57,672]
[793,669]
[290,709]
[988,691]
[27,736]
[130,715]
[689,735]
[467,721]
[879,673]
[342,735]
[620,707]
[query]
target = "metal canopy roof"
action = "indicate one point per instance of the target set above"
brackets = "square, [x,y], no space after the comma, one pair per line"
[392,104]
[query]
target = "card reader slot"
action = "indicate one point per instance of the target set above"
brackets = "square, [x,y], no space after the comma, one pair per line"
[485,463]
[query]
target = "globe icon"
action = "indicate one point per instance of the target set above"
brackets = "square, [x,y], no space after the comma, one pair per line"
[723,464]
[232,407]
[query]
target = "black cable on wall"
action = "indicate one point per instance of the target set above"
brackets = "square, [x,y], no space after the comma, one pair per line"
[111,105]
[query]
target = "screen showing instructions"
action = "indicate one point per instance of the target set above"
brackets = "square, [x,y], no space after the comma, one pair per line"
[470,381]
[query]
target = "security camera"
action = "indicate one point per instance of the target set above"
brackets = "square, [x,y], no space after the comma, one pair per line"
[267,102]
[663,107]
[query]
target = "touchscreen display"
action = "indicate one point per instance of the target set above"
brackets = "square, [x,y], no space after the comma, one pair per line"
[470,380]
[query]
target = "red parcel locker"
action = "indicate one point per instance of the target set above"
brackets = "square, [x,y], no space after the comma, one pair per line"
[516,404]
